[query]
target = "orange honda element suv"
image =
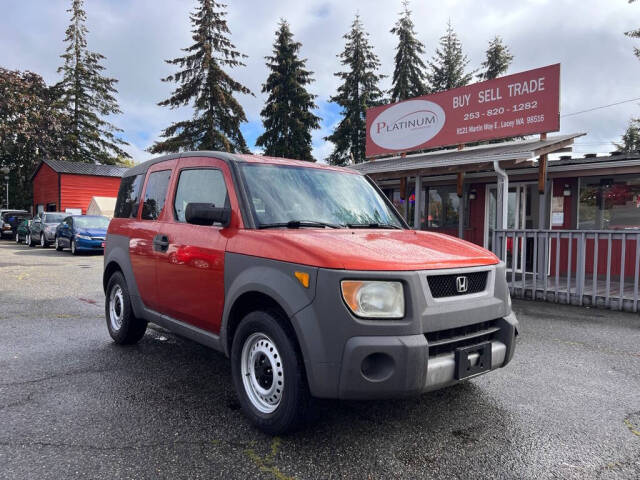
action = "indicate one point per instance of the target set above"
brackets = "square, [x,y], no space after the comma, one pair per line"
[306,277]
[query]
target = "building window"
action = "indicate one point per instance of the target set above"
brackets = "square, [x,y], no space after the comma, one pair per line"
[442,204]
[609,203]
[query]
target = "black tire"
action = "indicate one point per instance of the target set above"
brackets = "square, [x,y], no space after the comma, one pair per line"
[43,241]
[131,329]
[294,405]
[29,241]
[57,244]
[17,238]
[74,250]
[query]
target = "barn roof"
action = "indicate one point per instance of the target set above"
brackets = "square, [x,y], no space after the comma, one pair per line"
[82,168]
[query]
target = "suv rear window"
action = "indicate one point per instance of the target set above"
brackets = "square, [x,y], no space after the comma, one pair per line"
[128,197]
[199,186]
[155,194]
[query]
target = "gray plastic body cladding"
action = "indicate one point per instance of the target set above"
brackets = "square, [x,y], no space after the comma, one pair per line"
[334,341]
[245,274]
[117,250]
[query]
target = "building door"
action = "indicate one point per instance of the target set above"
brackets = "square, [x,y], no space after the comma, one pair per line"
[522,213]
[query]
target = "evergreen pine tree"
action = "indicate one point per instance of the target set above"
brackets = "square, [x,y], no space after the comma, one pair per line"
[448,64]
[409,72]
[215,124]
[498,59]
[287,116]
[631,138]
[87,96]
[634,34]
[359,90]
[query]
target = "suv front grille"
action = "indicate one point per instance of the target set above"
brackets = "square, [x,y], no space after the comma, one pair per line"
[446,341]
[446,285]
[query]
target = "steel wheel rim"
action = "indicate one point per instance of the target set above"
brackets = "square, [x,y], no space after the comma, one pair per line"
[17,238]
[262,372]
[42,240]
[28,240]
[116,308]
[57,243]
[73,246]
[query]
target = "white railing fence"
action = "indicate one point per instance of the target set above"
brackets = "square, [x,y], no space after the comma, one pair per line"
[579,267]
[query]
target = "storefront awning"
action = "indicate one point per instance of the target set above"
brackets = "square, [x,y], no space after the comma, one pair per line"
[467,159]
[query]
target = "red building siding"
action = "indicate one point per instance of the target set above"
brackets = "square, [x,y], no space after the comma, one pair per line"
[45,187]
[78,190]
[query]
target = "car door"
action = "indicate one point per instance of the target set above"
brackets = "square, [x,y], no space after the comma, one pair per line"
[35,227]
[66,231]
[191,270]
[143,244]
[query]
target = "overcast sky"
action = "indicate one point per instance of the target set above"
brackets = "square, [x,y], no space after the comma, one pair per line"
[585,36]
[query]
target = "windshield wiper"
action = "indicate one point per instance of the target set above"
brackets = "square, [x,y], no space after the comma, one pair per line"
[298,224]
[374,225]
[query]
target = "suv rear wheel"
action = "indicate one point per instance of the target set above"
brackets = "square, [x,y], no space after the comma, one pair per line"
[124,327]
[268,374]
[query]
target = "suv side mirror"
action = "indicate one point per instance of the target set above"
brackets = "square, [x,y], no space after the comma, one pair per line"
[207,214]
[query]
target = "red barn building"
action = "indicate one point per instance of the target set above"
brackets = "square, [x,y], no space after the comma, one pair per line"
[59,186]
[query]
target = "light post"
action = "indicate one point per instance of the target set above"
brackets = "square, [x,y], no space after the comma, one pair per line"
[5,170]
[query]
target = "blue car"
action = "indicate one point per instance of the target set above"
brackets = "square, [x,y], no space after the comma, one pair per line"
[82,233]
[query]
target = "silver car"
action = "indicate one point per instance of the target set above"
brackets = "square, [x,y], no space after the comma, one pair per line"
[43,228]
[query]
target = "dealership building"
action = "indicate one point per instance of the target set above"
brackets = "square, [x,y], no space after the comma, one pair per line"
[568,227]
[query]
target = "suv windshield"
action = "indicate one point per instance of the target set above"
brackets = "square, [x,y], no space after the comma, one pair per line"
[92,222]
[294,197]
[53,218]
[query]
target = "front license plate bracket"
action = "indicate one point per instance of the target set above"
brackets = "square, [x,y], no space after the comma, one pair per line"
[472,360]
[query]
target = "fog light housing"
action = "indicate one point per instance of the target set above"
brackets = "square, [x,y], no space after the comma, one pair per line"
[377,367]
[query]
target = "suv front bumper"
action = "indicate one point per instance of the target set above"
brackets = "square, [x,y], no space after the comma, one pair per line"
[384,367]
[355,358]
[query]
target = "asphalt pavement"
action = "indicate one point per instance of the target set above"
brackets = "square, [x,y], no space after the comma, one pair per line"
[74,405]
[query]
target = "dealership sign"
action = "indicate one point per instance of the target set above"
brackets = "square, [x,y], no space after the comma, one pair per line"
[520,104]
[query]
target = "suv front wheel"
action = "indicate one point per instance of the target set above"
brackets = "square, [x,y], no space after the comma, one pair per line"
[268,373]
[124,327]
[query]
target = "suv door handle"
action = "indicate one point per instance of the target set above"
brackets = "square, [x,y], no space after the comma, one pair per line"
[160,243]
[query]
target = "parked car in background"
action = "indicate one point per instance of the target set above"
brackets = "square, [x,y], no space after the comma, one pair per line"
[9,221]
[43,228]
[82,233]
[22,232]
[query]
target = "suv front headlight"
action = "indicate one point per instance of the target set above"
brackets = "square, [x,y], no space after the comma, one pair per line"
[374,298]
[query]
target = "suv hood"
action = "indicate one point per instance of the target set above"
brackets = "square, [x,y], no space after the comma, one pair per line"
[366,249]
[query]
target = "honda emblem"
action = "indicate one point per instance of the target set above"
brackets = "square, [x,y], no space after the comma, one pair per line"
[462,284]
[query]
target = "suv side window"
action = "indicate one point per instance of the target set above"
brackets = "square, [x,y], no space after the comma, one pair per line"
[199,185]
[155,194]
[128,197]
